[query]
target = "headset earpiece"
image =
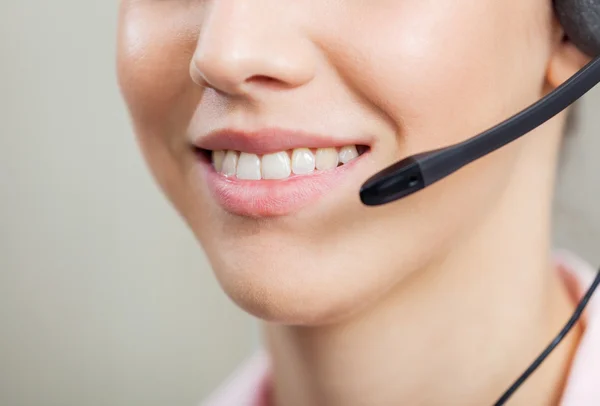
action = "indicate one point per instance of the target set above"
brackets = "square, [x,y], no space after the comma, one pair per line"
[581,21]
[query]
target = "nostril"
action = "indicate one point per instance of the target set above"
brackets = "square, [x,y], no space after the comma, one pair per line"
[261,78]
[266,81]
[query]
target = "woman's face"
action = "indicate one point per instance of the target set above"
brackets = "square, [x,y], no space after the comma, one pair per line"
[283,226]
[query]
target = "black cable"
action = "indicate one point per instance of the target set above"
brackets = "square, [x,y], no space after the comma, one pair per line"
[510,391]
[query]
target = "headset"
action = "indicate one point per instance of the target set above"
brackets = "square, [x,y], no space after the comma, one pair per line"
[580,20]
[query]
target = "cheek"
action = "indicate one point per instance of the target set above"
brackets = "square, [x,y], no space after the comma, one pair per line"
[155,45]
[447,72]
[154,49]
[442,75]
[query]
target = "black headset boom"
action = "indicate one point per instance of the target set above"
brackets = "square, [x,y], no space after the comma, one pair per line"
[580,20]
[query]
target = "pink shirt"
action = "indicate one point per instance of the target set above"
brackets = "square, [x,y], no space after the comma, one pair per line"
[249,385]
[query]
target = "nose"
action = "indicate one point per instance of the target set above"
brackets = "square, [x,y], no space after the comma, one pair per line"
[244,47]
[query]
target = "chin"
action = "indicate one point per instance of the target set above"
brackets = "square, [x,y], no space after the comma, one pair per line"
[297,286]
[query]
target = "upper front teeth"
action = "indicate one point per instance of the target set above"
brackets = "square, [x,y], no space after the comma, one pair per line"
[303,161]
[248,167]
[279,165]
[276,166]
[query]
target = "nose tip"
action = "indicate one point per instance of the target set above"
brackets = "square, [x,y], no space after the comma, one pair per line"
[239,53]
[239,72]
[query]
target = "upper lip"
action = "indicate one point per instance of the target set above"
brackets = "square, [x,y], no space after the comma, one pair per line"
[269,140]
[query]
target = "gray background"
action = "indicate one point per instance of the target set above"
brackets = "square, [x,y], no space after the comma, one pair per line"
[105,298]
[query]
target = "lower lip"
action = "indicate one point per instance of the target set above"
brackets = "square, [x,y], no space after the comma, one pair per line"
[269,198]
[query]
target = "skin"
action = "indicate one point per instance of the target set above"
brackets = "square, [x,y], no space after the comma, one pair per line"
[441,298]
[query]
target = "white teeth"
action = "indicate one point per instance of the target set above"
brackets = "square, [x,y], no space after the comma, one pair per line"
[230,162]
[217,158]
[327,158]
[248,167]
[303,161]
[276,166]
[348,153]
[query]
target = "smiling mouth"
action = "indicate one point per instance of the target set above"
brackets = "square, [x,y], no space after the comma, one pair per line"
[275,172]
[237,165]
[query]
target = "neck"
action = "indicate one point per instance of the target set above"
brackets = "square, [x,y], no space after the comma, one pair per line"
[458,332]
